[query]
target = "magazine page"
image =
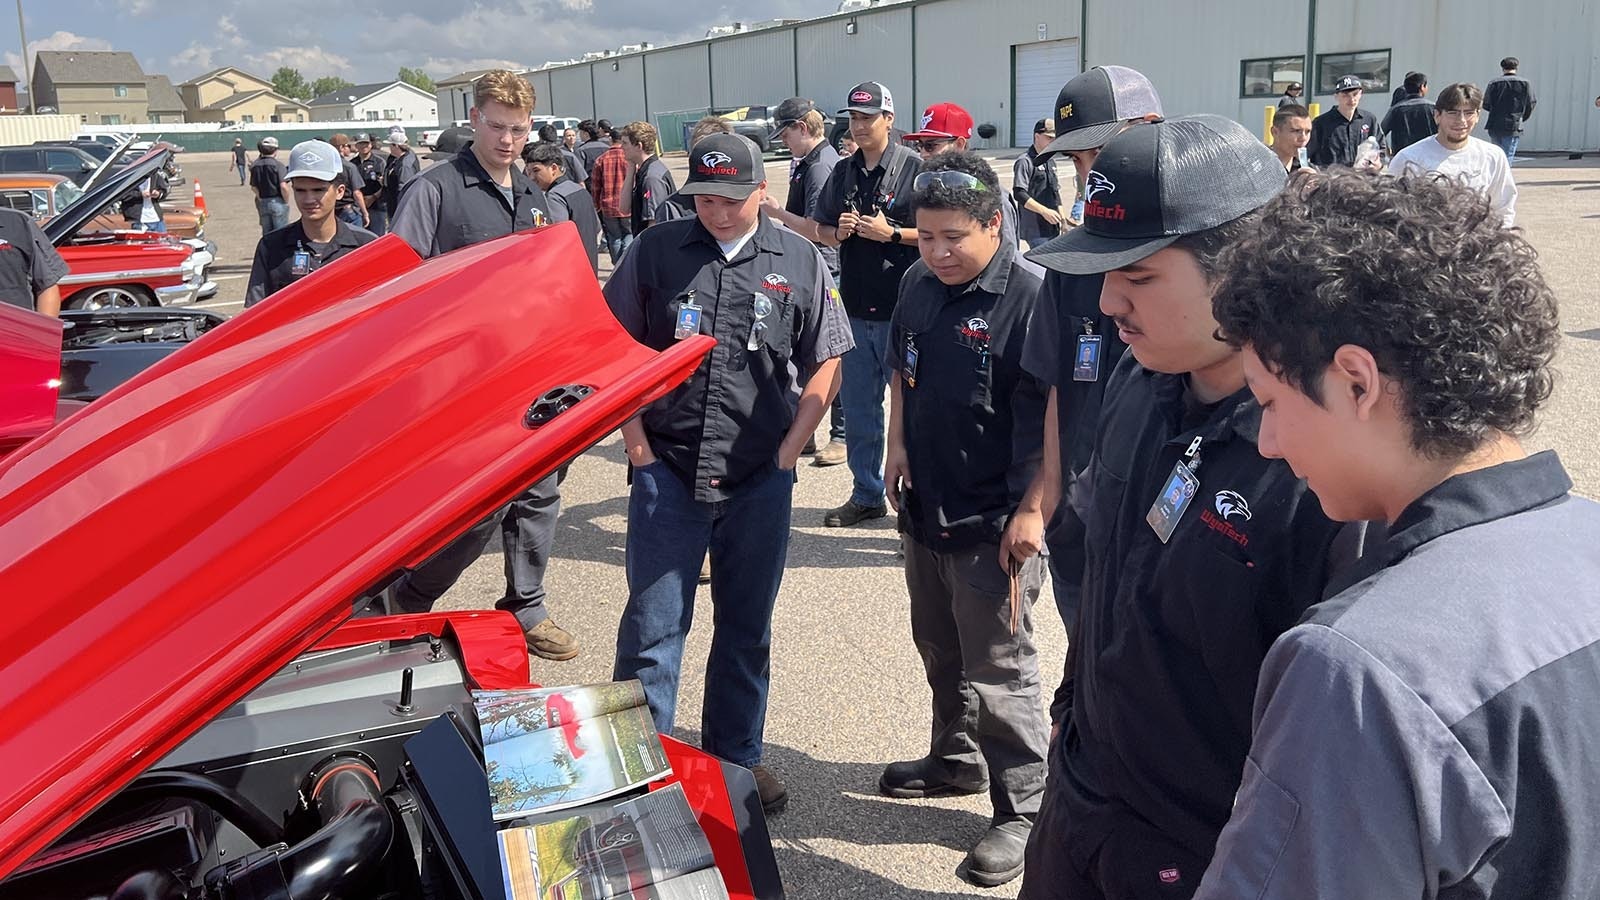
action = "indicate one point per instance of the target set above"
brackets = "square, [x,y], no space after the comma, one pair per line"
[647,847]
[572,761]
[507,714]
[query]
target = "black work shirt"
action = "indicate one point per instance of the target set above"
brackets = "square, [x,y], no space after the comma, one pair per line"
[972,419]
[569,202]
[29,264]
[1033,180]
[372,169]
[1171,636]
[456,204]
[1409,121]
[808,176]
[1508,101]
[1069,309]
[722,427]
[870,271]
[273,268]
[1335,139]
[267,175]
[675,207]
[651,185]
[351,178]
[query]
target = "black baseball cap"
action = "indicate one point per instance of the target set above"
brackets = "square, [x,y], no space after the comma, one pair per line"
[1092,106]
[1153,184]
[728,165]
[869,97]
[1347,83]
[789,112]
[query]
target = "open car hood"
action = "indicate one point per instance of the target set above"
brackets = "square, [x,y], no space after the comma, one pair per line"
[175,543]
[30,366]
[68,222]
[109,164]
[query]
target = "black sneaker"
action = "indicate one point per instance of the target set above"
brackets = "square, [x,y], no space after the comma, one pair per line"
[852,513]
[774,796]
[925,777]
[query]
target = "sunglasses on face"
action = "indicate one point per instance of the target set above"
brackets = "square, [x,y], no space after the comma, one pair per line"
[948,179]
[932,146]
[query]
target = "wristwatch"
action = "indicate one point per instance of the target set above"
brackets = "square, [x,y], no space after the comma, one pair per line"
[894,235]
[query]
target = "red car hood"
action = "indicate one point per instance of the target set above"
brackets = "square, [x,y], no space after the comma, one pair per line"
[172,545]
[30,373]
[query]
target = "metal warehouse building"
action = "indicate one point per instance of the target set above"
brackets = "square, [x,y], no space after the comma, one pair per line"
[1004,59]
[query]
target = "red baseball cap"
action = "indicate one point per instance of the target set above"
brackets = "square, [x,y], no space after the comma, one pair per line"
[943,120]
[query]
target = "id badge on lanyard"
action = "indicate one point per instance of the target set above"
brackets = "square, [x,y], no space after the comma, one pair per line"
[688,318]
[1177,492]
[1086,355]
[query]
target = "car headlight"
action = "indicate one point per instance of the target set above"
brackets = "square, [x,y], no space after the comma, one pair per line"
[188,268]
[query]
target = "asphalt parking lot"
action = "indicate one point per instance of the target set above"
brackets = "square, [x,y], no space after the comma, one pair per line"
[848,695]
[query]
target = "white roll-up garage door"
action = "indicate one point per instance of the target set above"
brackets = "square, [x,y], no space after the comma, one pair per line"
[1038,74]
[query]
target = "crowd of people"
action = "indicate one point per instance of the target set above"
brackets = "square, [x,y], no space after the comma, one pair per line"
[1257,417]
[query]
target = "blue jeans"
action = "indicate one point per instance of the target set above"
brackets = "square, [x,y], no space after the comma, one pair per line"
[159,227]
[379,217]
[274,214]
[350,215]
[865,377]
[1508,143]
[669,533]
[240,167]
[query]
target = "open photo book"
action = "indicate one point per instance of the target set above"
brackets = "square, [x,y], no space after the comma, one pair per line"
[555,748]
[646,848]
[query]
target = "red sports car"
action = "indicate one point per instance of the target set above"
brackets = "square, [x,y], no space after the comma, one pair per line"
[198,697]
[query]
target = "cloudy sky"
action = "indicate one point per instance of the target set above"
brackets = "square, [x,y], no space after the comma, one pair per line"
[365,42]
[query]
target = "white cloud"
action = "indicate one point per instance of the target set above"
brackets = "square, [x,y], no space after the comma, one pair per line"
[137,7]
[60,40]
[313,62]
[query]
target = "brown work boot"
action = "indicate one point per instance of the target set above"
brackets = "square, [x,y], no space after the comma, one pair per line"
[547,640]
[810,447]
[774,796]
[832,454]
[852,513]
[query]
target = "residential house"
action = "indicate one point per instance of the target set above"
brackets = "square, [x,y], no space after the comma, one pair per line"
[387,101]
[253,106]
[100,87]
[8,91]
[453,96]
[165,103]
[215,86]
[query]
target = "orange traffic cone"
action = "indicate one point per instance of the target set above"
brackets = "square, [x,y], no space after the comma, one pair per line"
[200,201]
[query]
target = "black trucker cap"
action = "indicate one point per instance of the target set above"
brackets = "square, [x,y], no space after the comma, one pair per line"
[1092,106]
[871,98]
[1153,184]
[727,165]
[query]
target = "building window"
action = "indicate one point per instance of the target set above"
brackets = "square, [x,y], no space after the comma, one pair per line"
[1371,66]
[389,114]
[1270,76]
[120,90]
[110,120]
[247,118]
[372,115]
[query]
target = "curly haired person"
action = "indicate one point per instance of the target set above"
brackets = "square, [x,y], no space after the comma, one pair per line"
[1432,729]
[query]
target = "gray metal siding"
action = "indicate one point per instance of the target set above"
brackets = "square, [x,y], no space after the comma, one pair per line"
[619,95]
[678,78]
[755,68]
[571,92]
[964,49]
[540,81]
[832,62]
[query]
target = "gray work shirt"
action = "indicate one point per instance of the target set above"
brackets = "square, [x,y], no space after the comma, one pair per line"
[570,202]
[29,263]
[722,427]
[456,204]
[1433,730]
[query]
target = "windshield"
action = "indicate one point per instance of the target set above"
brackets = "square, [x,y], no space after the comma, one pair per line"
[67,194]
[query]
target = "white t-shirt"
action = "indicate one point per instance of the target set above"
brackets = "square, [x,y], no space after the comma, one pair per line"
[1479,164]
[730,249]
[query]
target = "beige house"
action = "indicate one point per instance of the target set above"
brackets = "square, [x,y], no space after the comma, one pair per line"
[99,87]
[253,106]
[165,105]
[216,86]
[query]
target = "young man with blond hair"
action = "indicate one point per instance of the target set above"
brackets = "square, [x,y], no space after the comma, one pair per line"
[479,194]
[652,183]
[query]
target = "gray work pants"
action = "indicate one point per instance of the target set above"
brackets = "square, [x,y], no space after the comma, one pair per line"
[987,710]
[527,527]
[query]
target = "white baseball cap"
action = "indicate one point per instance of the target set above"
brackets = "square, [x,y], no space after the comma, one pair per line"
[315,159]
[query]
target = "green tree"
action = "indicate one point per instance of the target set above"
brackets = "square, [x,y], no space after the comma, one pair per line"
[328,84]
[290,83]
[416,78]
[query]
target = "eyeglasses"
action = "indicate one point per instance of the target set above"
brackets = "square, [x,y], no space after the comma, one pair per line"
[948,179]
[516,131]
[933,145]
[1462,114]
